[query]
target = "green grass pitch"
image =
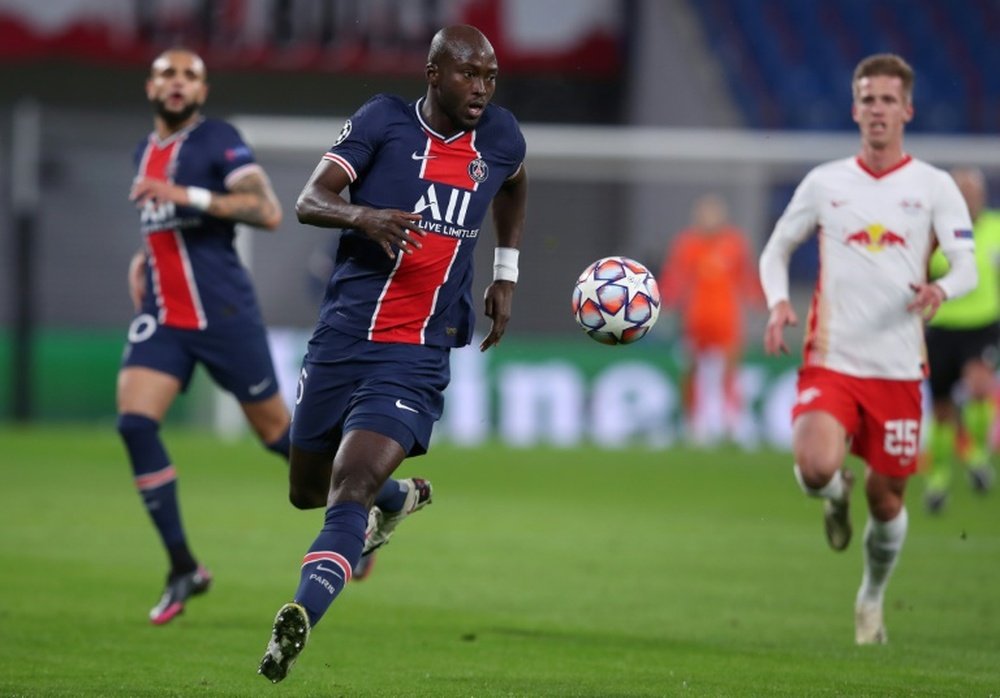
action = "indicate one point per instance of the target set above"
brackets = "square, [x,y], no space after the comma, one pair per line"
[534,573]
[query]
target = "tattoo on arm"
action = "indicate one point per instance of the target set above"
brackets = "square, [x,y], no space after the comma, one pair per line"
[251,201]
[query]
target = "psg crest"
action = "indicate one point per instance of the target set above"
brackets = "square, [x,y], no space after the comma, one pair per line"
[478,170]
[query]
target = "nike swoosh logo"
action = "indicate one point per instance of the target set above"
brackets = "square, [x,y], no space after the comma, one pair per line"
[400,405]
[258,388]
[327,569]
[418,156]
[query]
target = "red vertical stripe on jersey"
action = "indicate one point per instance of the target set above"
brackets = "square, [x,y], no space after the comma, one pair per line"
[178,307]
[448,162]
[156,160]
[173,282]
[411,292]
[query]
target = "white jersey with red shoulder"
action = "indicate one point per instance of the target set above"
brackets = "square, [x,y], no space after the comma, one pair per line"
[396,160]
[194,275]
[876,233]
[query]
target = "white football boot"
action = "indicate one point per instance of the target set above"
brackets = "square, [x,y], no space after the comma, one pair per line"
[869,628]
[381,525]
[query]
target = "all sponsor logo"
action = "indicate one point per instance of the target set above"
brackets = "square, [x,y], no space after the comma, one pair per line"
[448,214]
[157,216]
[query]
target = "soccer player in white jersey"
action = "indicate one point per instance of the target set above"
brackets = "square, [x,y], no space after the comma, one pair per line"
[878,216]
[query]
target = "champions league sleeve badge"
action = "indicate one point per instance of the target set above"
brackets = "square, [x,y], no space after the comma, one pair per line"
[344,133]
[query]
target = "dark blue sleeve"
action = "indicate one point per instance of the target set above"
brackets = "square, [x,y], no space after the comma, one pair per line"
[362,135]
[140,148]
[515,147]
[229,151]
[519,147]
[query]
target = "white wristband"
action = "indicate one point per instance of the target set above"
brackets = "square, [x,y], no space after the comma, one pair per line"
[199,198]
[505,264]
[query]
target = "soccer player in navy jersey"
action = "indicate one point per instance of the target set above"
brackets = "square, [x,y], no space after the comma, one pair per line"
[194,301]
[421,177]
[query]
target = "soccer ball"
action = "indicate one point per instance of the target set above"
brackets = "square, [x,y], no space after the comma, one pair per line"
[616,300]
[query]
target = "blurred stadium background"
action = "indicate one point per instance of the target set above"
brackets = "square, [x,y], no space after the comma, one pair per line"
[631,108]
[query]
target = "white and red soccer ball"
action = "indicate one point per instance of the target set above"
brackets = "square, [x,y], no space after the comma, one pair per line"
[616,300]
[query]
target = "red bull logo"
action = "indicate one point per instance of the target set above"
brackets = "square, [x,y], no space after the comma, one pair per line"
[875,238]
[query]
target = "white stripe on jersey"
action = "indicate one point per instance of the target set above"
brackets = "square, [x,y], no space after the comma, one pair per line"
[381,296]
[348,167]
[875,237]
[241,172]
[437,291]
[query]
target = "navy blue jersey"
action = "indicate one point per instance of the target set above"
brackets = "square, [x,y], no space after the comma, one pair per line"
[396,160]
[194,276]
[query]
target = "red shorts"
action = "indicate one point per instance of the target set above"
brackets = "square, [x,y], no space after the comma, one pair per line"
[882,417]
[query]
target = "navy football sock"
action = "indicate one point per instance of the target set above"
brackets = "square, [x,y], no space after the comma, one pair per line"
[392,496]
[181,560]
[326,568]
[283,445]
[156,480]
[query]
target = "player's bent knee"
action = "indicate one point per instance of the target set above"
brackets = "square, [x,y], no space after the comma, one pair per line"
[815,470]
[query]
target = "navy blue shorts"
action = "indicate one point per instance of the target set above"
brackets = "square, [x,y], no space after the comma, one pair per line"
[348,383]
[236,356]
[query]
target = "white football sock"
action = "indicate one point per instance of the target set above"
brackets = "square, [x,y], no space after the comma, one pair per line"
[834,489]
[882,542]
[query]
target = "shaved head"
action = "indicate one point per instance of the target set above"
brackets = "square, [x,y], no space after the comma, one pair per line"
[461,77]
[458,43]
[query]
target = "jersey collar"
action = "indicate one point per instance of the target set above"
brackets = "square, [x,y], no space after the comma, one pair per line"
[426,126]
[178,135]
[905,160]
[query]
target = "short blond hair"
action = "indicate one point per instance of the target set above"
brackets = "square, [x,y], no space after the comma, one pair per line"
[888,64]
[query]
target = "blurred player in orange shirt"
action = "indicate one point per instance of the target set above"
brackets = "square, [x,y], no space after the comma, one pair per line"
[709,277]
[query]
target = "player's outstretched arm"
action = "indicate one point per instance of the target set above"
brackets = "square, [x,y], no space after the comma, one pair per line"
[321,204]
[509,206]
[251,199]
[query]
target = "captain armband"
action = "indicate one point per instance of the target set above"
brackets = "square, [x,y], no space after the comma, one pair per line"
[199,198]
[505,264]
